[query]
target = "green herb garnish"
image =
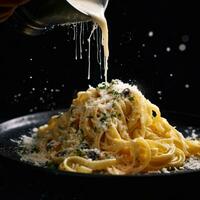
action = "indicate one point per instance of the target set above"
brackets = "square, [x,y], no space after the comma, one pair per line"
[113,115]
[79,152]
[131,98]
[35,149]
[102,86]
[103,118]
[115,93]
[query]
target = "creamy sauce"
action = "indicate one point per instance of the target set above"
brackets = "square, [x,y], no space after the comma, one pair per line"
[75,39]
[78,37]
[96,11]
[98,45]
[89,50]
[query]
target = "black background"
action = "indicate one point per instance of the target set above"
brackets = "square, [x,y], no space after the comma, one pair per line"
[50,61]
[56,77]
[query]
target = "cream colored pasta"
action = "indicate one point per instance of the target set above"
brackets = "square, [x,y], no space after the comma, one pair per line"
[113,129]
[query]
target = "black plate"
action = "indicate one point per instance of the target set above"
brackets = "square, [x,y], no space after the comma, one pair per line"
[13,129]
[24,180]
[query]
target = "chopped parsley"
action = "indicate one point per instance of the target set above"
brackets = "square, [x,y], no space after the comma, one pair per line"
[113,82]
[113,115]
[103,118]
[115,93]
[84,145]
[131,98]
[35,149]
[102,86]
[79,152]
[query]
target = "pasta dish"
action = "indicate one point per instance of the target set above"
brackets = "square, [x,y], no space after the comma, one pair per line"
[113,129]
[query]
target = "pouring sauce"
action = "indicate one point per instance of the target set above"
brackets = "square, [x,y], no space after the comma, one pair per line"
[96,11]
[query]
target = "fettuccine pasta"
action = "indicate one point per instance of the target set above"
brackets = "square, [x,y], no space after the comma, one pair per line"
[113,129]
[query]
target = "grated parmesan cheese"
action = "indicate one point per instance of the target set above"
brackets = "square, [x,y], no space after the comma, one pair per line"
[39,159]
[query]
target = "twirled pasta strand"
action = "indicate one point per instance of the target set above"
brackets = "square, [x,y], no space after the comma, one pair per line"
[123,125]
